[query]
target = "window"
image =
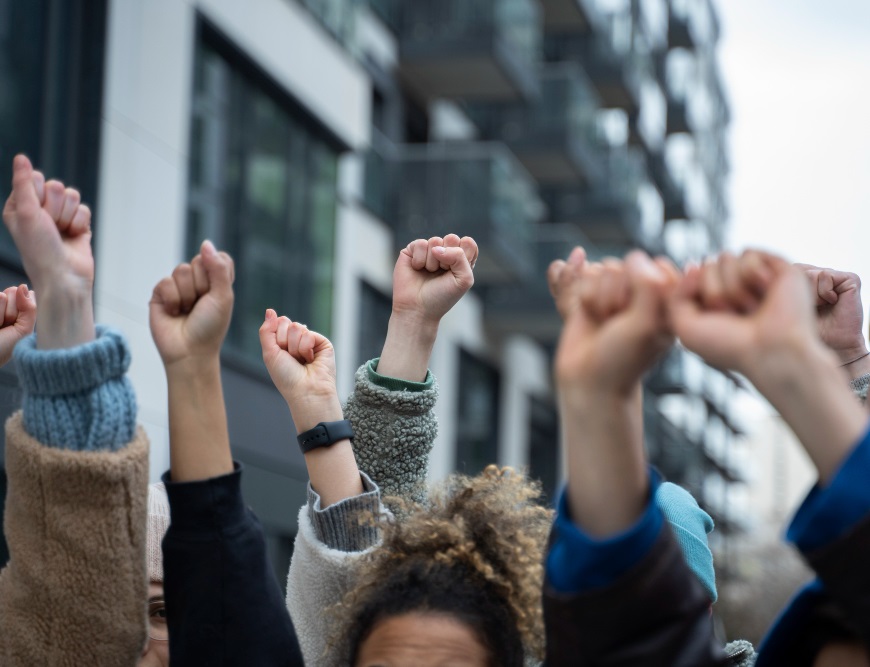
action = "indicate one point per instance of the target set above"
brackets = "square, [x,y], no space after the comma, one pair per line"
[51,80]
[544,445]
[375,309]
[477,427]
[263,187]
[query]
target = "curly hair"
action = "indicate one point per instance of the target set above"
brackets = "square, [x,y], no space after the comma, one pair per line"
[474,552]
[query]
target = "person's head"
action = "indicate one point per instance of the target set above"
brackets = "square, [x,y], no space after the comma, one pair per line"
[156,650]
[458,579]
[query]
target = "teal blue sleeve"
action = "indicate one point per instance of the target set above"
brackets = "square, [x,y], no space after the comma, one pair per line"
[78,398]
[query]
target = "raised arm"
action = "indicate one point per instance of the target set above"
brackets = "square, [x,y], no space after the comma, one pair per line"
[391,407]
[610,548]
[77,467]
[223,603]
[775,343]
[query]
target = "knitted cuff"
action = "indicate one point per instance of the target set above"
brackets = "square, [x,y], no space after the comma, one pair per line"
[78,398]
[394,384]
[349,525]
[860,385]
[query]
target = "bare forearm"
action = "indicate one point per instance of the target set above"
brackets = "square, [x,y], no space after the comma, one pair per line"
[332,470]
[808,391]
[607,475]
[408,348]
[199,444]
[66,318]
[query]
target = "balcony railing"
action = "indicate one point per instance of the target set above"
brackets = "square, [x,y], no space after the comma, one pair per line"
[673,194]
[692,24]
[528,308]
[474,189]
[379,182]
[611,213]
[337,16]
[475,49]
[555,136]
[569,16]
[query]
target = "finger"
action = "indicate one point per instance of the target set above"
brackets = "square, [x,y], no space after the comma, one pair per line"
[452,241]
[455,261]
[268,331]
[200,277]
[650,287]
[10,310]
[226,257]
[71,201]
[712,289]
[25,302]
[419,250]
[39,185]
[669,268]
[167,297]
[469,245]
[613,291]
[24,192]
[736,293]
[294,341]
[554,275]
[755,272]
[183,277]
[81,222]
[283,328]
[4,306]
[432,261]
[824,288]
[218,266]
[588,289]
[306,346]
[54,197]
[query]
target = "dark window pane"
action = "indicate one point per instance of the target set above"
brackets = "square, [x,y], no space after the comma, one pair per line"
[544,445]
[375,308]
[262,186]
[477,428]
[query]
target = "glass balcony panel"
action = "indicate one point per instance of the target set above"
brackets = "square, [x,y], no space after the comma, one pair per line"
[337,16]
[477,49]
[528,308]
[474,189]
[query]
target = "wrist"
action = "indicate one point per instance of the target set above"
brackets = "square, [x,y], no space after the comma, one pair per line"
[408,347]
[309,411]
[66,316]
[855,362]
[194,368]
[415,324]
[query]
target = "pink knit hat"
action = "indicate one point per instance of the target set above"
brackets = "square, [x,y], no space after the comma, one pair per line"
[158,523]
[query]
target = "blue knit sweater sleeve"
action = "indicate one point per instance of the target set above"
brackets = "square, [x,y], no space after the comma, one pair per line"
[78,398]
[578,562]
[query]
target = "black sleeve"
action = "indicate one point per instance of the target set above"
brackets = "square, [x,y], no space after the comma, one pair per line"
[656,615]
[223,603]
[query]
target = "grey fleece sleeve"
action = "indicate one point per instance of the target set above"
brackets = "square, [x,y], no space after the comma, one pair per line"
[395,429]
[860,385]
[349,525]
[78,398]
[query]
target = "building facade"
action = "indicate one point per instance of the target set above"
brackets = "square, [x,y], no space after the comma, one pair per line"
[314,138]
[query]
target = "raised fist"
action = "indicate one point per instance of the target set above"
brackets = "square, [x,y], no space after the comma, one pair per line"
[431,276]
[18,311]
[190,311]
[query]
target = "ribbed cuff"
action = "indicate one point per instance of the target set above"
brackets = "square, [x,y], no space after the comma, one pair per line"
[395,384]
[351,524]
[206,507]
[78,398]
[72,370]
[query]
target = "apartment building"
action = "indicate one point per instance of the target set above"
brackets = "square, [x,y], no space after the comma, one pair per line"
[314,138]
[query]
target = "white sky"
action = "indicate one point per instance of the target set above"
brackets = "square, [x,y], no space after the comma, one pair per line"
[797,74]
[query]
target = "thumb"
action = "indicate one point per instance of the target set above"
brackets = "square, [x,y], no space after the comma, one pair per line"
[456,261]
[24,187]
[268,332]
[25,300]
[218,267]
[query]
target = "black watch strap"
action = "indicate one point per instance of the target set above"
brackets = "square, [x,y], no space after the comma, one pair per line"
[324,435]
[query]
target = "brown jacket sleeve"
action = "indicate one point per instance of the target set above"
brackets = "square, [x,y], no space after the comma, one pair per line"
[74,590]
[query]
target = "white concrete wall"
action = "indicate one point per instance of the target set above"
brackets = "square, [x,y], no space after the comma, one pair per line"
[146,117]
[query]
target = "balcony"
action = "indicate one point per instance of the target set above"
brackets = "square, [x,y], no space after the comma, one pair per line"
[669,376]
[569,16]
[692,24]
[474,189]
[613,74]
[528,308]
[609,214]
[337,16]
[474,49]
[674,196]
[556,135]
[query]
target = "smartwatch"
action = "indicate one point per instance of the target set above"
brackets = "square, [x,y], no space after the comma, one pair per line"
[324,435]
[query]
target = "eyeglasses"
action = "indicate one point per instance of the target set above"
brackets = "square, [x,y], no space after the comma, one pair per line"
[157,628]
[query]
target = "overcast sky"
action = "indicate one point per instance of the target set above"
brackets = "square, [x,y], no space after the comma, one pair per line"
[798,77]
